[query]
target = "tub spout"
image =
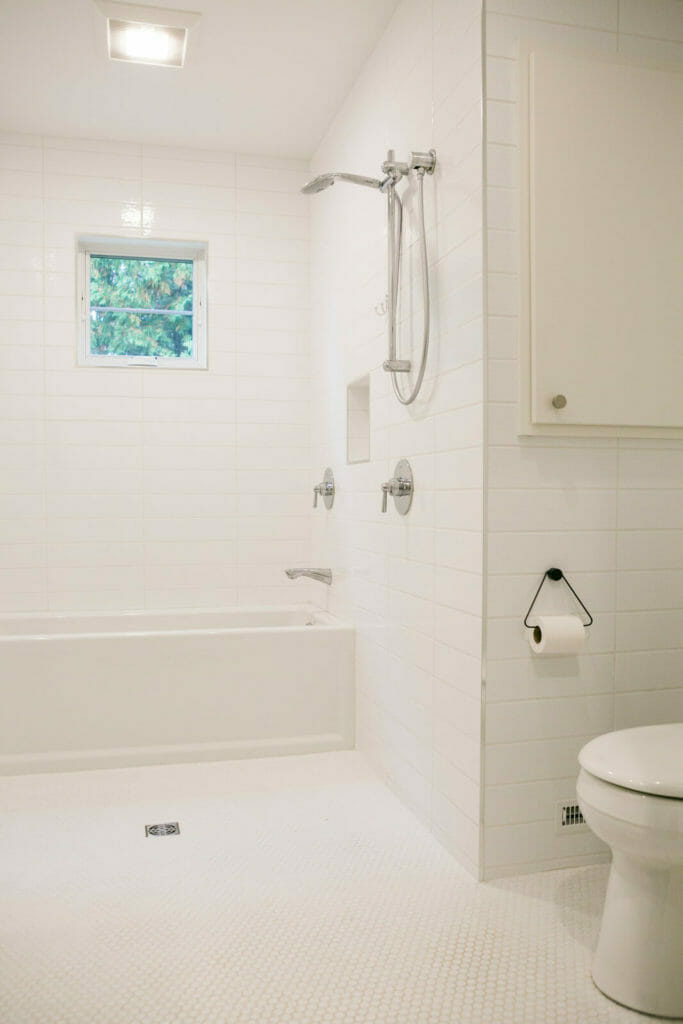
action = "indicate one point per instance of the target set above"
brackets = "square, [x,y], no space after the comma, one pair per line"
[321,575]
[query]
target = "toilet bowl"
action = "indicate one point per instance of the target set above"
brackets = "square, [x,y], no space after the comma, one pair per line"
[630,791]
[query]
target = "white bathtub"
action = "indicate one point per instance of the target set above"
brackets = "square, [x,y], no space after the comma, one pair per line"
[101,691]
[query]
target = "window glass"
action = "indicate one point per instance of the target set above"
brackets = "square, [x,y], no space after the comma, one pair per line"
[141,306]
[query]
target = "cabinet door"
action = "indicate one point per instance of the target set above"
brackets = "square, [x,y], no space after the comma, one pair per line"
[605,242]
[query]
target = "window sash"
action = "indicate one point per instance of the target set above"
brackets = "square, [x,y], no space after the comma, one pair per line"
[145,310]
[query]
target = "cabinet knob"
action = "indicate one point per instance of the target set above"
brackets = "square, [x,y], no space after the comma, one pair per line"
[559,402]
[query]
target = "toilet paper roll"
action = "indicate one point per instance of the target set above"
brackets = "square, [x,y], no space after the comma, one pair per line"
[558,634]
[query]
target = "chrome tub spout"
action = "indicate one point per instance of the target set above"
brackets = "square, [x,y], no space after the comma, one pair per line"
[320,575]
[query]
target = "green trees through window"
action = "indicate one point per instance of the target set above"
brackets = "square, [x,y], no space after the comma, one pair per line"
[141,306]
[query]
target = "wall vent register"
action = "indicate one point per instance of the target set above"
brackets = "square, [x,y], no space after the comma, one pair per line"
[570,818]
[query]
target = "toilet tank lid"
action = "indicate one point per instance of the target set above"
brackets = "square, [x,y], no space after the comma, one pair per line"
[648,759]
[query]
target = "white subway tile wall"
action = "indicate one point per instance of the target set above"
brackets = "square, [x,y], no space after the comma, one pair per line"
[147,487]
[412,586]
[608,512]
[123,489]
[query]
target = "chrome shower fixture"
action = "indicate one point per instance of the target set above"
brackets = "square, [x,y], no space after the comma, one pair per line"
[324,181]
[325,489]
[401,487]
[420,163]
[319,575]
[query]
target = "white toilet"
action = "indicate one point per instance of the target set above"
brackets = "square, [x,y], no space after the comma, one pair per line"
[630,790]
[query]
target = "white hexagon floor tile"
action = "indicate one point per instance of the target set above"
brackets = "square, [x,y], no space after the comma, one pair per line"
[299,891]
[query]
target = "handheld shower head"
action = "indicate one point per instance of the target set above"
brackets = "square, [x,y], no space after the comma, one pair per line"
[324,181]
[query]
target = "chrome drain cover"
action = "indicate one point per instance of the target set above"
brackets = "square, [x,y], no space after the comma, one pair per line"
[169,828]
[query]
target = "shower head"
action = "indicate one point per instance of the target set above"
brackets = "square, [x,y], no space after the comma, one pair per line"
[325,180]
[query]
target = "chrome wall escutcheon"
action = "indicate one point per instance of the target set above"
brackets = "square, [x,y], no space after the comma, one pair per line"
[400,487]
[423,161]
[325,488]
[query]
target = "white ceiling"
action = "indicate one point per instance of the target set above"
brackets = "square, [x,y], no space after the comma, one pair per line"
[261,76]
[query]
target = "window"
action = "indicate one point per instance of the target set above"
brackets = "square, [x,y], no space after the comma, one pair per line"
[141,302]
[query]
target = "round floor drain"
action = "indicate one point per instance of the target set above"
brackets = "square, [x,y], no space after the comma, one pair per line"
[169,828]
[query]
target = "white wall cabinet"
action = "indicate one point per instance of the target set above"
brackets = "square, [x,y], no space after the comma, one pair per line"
[602,240]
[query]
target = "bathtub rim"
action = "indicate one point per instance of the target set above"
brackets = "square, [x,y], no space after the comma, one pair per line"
[323,621]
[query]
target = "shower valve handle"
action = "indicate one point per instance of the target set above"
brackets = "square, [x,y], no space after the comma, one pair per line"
[397,487]
[400,487]
[325,489]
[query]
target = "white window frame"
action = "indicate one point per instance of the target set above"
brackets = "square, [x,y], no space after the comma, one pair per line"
[138,248]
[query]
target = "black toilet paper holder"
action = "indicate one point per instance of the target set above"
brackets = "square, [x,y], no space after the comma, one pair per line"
[556,575]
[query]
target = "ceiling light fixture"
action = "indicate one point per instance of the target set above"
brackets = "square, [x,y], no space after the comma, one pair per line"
[147,42]
[147,35]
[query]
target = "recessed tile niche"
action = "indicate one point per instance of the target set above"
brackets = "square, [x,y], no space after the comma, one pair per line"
[358,420]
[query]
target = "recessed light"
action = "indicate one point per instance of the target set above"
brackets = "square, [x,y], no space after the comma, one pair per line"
[147,35]
[146,44]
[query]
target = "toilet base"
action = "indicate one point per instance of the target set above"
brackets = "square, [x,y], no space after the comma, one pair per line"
[640,950]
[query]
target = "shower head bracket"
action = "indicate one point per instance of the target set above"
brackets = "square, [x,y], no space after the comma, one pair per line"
[422,162]
[425,162]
